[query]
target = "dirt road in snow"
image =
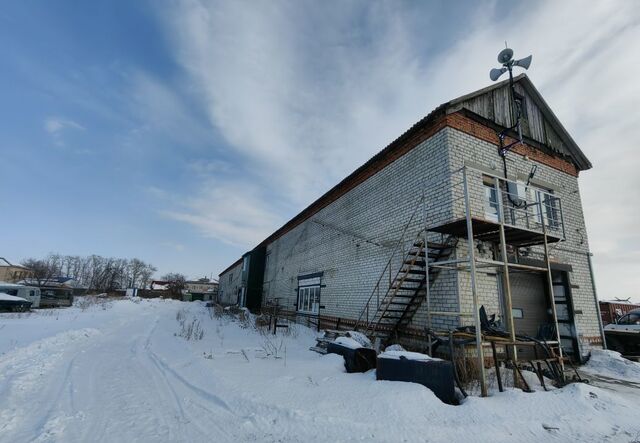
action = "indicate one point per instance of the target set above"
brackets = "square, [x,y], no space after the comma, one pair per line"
[125,372]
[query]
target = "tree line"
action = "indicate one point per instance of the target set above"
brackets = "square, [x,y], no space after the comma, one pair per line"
[93,272]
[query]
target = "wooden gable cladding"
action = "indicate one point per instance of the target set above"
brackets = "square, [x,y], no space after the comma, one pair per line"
[539,124]
[496,105]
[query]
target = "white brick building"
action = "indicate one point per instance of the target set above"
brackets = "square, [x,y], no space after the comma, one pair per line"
[341,254]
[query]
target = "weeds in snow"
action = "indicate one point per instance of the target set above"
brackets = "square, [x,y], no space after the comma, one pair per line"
[91,301]
[220,335]
[271,345]
[189,330]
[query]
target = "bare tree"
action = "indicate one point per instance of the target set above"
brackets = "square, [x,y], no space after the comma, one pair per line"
[146,274]
[93,272]
[176,282]
[43,270]
[139,273]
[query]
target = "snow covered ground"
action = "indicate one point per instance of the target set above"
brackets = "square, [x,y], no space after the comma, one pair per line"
[167,371]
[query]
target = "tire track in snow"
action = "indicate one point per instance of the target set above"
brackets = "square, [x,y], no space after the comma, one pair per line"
[167,373]
[29,375]
[132,396]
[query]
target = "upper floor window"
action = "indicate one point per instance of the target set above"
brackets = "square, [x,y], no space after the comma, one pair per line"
[543,206]
[490,199]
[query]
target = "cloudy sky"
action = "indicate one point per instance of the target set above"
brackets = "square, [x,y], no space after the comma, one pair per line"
[184,132]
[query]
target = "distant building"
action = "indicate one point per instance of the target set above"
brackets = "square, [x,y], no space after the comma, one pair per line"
[159,285]
[12,273]
[202,289]
[614,309]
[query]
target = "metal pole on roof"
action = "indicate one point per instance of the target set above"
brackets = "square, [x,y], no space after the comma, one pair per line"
[474,291]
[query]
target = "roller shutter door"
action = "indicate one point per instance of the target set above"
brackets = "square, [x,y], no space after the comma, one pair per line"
[529,302]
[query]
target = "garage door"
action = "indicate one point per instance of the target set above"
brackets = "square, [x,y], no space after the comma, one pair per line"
[529,302]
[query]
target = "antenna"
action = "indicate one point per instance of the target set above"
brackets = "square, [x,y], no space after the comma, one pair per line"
[505,58]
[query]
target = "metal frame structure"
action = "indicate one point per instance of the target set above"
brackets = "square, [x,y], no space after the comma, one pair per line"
[521,220]
[479,206]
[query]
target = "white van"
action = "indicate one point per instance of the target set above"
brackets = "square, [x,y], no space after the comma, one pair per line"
[29,293]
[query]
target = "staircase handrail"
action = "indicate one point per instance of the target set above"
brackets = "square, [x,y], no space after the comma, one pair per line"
[396,248]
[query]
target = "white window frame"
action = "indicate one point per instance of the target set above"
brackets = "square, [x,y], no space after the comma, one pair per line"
[309,299]
[541,200]
[491,205]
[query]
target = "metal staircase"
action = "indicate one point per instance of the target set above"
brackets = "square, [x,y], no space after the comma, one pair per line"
[386,316]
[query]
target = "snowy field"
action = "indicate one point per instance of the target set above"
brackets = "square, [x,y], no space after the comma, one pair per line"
[166,371]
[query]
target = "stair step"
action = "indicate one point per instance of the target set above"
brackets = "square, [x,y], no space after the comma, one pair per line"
[404,288]
[420,263]
[413,280]
[413,271]
[416,272]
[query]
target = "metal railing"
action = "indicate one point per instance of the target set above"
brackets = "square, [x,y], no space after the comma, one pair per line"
[527,207]
[397,252]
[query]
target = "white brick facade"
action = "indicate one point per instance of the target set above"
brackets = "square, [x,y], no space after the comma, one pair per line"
[350,240]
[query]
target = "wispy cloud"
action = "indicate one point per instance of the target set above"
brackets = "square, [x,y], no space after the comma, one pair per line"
[304,92]
[56,126]
[235,213]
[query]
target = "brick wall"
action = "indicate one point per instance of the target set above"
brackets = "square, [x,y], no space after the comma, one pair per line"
[351,239]
[473,151]
[350,236]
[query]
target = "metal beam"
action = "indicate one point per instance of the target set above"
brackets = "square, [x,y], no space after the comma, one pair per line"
[506,281]
[474,292]
[551,296]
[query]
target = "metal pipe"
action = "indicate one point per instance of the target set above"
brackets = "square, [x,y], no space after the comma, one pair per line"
[551,296]
[595,296]
[426,269]
[505,273]
[476,313]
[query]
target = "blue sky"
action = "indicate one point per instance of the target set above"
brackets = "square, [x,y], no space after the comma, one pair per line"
[184,132]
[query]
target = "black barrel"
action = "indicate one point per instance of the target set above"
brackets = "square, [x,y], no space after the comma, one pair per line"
[436,375]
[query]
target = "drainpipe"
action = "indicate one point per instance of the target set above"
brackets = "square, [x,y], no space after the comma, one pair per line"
[595,293]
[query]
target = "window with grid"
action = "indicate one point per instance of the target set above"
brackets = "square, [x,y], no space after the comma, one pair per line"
[309,299]
[543,206]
